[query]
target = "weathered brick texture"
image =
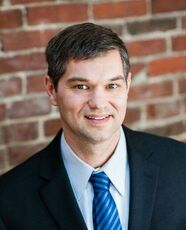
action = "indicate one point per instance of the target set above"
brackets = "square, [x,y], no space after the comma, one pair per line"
[136,68]
[3,157]
[121,9]
[51,127]
[33,61]
[133,115]
[163,110]
[30,107]
[20,132]
[151,91]
[168,6]
[57,13]
[10,19]
[146,47]
[179,43]
[169,129]
[182,86]
[29,1]
[167,65]
[184,22]
[26,39]
[151,25]
[155,35]
[35,84]
[2,111]
[10,87]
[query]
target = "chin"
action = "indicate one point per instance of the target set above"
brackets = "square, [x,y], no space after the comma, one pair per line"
[96,138]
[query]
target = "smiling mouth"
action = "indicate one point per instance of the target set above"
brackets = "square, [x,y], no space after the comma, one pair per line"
[97,118]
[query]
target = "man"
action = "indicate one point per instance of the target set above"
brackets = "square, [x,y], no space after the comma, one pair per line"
[96,173]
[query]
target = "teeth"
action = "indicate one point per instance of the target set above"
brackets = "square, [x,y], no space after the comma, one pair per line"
[97,118]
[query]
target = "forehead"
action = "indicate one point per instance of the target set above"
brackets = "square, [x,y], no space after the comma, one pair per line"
[103,67]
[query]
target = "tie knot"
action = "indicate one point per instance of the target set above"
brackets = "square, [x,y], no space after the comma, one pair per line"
[100,182]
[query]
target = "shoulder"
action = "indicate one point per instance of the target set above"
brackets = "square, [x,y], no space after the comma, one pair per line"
[20,176]
[27,174]
[153,139]
[163,147]
[165,153]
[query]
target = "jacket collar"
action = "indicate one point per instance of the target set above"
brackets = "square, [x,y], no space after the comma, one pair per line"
[57,193]
[143,180]
[58,196]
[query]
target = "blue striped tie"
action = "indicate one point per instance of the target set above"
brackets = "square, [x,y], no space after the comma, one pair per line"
[105,213]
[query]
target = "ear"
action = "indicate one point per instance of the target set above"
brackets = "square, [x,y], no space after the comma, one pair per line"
[129,81]
[49,86]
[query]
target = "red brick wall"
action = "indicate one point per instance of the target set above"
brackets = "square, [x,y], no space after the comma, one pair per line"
[155,33]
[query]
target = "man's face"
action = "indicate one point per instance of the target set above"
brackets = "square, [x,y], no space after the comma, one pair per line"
[92,98]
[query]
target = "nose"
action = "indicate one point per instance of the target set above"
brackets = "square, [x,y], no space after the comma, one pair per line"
[98,99]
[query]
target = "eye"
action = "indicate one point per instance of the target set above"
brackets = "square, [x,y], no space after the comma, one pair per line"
[82,87]
[112,86]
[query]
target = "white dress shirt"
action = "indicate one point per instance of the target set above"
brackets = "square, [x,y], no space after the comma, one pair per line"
[116,168]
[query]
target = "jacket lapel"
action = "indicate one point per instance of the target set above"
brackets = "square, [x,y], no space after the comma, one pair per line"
[143,181]
[59,198]
[57,192]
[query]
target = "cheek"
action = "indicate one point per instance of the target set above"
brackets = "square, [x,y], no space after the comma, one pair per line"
[72,103]
[119,102]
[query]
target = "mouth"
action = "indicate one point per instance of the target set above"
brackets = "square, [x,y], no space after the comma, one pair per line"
[97,118]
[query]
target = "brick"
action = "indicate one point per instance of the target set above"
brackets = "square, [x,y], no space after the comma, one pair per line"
[119,9]
[167,65]
[184,22]
[28,1]
[18,154]
[146,47]
[179,43]
[10,87]
[51,127]
[57,13]
[26,39]
[152,25]
[2,135]
[2,112]
[33,61]
[184,103]
[154,90]
[116,28]
[20,132]
[30,107]
[163,110]
[3,157]
[136,68]
[10,19]
[182,86]
[132,115]
[159,6]
[168,130]
[35,84]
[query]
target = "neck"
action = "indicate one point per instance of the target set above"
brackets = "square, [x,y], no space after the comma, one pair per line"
[94,154]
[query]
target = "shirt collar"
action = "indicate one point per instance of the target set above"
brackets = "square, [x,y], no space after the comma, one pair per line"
[78,171]
[115,167]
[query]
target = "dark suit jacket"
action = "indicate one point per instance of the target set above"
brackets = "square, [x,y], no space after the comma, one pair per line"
[37,195]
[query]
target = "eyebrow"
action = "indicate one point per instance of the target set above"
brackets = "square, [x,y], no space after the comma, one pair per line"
[75,79]
[117,78]
[81,79]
